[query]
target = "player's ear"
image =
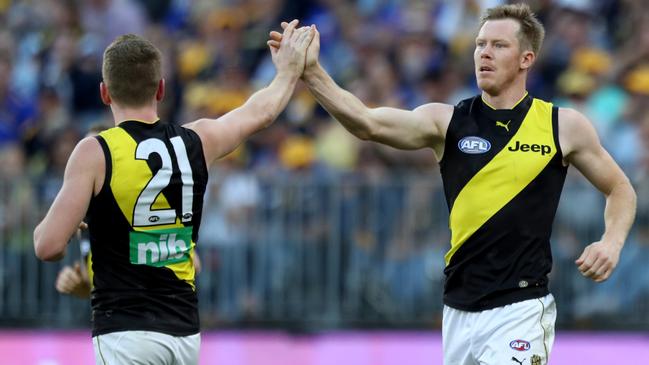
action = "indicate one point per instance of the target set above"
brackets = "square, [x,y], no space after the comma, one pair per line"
[105,96]
[527,59]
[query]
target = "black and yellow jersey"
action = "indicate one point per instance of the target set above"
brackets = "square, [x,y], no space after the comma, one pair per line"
[86,257]
[503,174]
[143,226]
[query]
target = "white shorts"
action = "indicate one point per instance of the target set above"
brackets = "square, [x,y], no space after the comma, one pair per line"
[146,347]
[519,333]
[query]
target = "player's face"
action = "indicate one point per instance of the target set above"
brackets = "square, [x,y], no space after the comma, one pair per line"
[497,55]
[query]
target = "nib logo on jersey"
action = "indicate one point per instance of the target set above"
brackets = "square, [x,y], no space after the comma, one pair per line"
[160,247]
[520,345]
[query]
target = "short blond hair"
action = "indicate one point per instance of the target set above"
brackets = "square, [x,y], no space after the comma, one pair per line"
[131,70]
[531,33]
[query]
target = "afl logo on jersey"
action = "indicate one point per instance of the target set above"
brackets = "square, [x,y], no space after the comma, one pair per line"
[520,345]
[474,145]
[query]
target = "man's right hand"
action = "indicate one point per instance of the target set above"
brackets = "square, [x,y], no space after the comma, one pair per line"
[312,52]
[289,53]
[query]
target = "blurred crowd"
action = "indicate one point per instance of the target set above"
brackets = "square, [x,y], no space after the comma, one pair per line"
[400,53]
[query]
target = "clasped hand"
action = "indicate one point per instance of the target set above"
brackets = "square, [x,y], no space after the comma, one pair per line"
[302,46]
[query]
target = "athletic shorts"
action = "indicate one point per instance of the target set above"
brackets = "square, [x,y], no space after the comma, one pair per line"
[146,347]
[519,333]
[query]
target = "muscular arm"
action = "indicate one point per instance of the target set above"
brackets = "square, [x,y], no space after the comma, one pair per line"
[224,134]
[221,136]
[70,205]
[424,126]
[582,148]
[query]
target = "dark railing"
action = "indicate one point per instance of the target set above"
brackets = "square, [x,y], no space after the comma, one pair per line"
[308,253]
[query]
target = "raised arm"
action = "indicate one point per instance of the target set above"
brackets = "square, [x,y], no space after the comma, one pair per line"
[424,126]
[83,176]
[582,148]
[221,136]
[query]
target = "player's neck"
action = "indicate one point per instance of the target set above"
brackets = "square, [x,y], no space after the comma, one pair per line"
[507,99]
[147,114]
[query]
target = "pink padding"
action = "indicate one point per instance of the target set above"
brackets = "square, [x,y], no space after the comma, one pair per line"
[334,348]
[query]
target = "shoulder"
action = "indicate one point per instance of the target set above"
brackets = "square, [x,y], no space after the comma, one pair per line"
[203,130]
[88,148]
[437,117]
[575,131]
[435,107]
[573,122]
[193,127]
[87,155]
[468,103]
[443,113]
[199,126]
[438,113]
[571,118]
[86,163]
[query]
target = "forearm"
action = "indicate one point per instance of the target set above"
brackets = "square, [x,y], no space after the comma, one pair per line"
[341,104]
[221,136]
[619,213]
[269,102]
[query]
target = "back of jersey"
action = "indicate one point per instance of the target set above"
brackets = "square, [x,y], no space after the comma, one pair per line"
[143,227]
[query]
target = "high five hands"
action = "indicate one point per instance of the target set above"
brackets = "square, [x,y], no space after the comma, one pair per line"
[288,49]
[279,40]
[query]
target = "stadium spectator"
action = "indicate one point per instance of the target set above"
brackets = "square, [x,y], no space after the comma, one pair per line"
[16,111]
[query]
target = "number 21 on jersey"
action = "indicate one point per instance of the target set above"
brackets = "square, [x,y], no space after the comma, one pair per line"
[143,215]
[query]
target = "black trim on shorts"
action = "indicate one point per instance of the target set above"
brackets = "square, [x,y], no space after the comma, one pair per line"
[545,347]
[101,355]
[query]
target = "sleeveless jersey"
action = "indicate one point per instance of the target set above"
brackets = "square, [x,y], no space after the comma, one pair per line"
[503,174]
[143,226]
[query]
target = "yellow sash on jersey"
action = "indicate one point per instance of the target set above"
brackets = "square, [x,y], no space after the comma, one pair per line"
[528,152]
[128,179]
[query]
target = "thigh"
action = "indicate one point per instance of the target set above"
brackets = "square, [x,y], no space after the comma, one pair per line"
[520,333]
[134,348]
[456,336]
[187,349]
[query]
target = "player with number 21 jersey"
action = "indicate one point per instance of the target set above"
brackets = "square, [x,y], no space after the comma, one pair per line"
[143,226]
